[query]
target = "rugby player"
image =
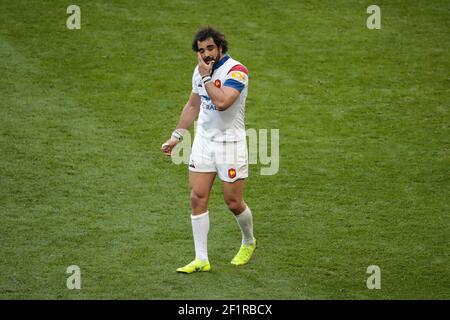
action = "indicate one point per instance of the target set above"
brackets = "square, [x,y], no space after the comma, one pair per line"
[219,91]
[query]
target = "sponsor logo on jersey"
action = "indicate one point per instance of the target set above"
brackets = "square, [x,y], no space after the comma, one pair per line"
[232,173]
[238,75]
[209,106]
[217,83]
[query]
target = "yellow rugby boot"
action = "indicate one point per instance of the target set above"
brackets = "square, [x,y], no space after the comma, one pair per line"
[195,266]
[244,254]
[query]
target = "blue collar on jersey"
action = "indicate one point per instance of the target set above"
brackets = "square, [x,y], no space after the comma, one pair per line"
[221,62]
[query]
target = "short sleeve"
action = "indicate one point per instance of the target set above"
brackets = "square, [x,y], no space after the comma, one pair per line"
[237,77]
[194,82]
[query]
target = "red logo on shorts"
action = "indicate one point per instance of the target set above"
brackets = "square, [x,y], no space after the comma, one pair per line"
[217,83]
[232,173]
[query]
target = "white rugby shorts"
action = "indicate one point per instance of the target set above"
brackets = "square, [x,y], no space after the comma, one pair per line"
[228,159]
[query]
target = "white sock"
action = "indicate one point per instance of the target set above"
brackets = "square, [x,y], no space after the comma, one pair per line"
[245,222]
[200,229]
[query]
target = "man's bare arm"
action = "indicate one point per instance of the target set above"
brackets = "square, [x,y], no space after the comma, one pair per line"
[223,97]
[188,115]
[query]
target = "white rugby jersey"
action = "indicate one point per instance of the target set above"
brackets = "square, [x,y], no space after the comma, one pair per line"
[227,125]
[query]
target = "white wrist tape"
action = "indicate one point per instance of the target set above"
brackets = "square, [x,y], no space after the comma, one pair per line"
[176,135]
[206,79]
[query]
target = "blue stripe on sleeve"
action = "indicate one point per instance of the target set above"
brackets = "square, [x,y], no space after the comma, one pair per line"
[234,84]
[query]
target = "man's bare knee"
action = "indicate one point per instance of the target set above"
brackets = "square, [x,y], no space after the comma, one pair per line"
[199,202]
[235,206]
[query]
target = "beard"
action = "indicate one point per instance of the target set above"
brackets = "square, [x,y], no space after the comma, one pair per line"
[209,59]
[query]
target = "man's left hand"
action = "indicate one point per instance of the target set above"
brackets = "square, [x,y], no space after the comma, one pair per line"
[204,68]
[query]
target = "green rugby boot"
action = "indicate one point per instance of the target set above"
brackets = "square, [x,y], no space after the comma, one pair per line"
[195,266]
[244,254]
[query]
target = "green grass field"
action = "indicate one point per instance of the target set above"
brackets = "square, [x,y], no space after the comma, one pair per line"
[364,150]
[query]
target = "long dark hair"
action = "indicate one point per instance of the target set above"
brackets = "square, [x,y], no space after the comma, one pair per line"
[208,32]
